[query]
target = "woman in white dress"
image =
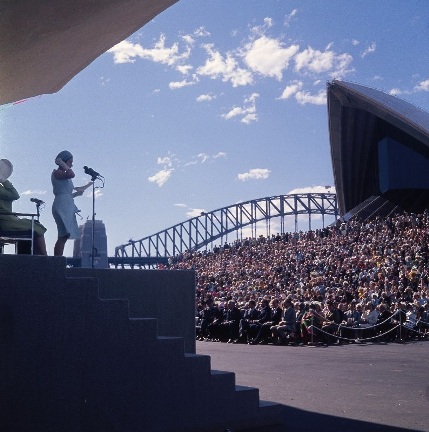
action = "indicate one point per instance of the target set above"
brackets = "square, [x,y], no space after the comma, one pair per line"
[63,208]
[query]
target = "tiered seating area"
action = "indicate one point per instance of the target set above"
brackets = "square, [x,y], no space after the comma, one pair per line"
[380,264]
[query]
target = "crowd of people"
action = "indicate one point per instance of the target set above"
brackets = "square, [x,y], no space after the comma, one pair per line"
[352,282]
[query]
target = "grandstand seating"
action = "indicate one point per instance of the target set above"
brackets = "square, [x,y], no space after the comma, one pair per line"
[382,261]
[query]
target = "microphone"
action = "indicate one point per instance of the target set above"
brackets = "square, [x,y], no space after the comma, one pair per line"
[91,172]
[37,201]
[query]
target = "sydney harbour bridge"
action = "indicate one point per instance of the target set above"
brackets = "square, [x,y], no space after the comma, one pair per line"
[225,224]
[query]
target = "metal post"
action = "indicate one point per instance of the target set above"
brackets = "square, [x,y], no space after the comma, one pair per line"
[93,224]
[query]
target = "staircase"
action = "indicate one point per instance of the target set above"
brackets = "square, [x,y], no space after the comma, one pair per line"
[70,361]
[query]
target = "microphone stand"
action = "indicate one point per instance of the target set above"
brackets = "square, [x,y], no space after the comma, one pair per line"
[94,176]
[93,223]
[38,210]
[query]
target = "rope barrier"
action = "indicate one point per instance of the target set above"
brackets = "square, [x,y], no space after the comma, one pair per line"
[357,329]
[376,336]
[399,326]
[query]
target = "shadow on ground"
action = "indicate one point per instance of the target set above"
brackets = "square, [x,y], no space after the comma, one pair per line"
[297,420]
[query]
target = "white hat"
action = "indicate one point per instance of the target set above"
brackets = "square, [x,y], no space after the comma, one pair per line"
[6,169]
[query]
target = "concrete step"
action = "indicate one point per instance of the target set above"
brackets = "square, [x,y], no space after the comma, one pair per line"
[114,309]
[146,328]
[198,363]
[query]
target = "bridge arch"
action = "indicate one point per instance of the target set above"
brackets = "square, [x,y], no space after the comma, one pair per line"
[209,227]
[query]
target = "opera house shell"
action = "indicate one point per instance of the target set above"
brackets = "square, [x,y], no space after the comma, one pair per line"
[379,149]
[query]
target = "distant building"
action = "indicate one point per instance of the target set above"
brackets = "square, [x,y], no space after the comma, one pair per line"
[91,247]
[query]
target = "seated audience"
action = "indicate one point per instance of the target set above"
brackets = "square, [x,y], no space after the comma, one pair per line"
[383,262]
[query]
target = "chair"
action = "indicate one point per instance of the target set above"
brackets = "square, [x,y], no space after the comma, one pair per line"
[15,237]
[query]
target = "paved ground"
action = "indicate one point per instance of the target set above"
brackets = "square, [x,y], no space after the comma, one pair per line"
[347,388]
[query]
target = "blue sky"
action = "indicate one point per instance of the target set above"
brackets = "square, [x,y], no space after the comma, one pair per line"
[212,103]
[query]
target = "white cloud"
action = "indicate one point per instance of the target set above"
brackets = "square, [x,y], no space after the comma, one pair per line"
[174,85]
[161,177]
[234,112]
[216,66]
[422,86]
[205,98]
[305,97]
[259,30]
[166,160]
[127,52]
[184,69]
[201,32]
[268,22]
[188,39]
[220,154]
[195,212]
[312,189]
[341,66]
[255,174]
[268,57]
[291,89]
[204,157]
[252,97]
[97,194]
[289,17]
[180,205]
[316,62]
[355,42]
[262,56]
[395,92]
[369,50]
[33,192]
[247,112]
[249,118]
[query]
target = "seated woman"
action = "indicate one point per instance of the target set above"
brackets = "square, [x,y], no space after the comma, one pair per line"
[12,225]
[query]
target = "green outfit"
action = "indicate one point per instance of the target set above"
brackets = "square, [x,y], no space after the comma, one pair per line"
[10,224]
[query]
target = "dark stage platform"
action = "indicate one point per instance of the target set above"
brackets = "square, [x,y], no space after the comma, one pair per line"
[362,387]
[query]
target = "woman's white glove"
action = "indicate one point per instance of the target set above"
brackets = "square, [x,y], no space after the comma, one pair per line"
[62,164]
